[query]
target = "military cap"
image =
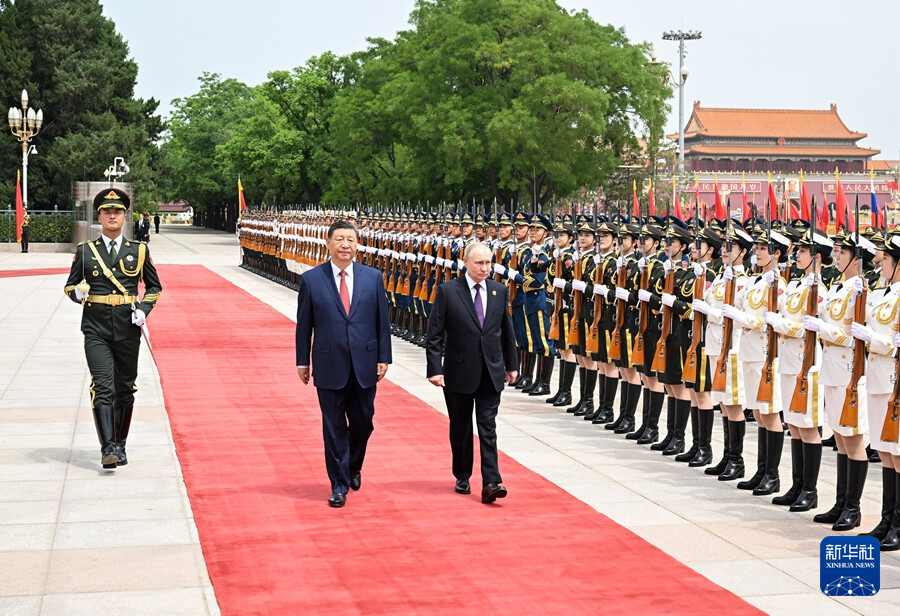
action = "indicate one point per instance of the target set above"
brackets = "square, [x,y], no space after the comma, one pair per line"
[466,218]
[777,238]
[567,219]
[823,242]
[800,225]
[585,222]
[629,229]
[636,220]
[421,216]
[678,230]
[540,221]
[892,245]
[505,218]
[111,198]
[363,215]
[605,226]
[620,220]
[653,230]
[849,240]
[742,238]
[717,224]
[868,232]
[492,218]
[711,237]
[453,218]
[432,218]
[695,220]
[562,227]
[521,218]
[751,224]
[480,220]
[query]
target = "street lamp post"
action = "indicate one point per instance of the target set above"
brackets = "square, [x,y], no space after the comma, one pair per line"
[25,124]
[681,37]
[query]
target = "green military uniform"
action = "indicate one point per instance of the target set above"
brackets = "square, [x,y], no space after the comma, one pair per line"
[111,338]
[25,222]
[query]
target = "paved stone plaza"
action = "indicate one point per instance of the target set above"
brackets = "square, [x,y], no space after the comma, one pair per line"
[75,539]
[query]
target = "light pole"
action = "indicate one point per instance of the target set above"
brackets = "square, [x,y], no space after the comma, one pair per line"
[681,37]
[25,124]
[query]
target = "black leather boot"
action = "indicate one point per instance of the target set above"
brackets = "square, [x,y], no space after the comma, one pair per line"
[568,375]
[559,390]
[651,432]
[891,541]
[601,386]
[734,469]
[888,502]
[790,496]
[645,415]
[857,470]
[521,369]
[682,414]
[771,480]
[590,381]
[623,408]
[718,468]
[608,400]
[528,381]
[761,442]
[670,426]
[122,418]
[688,455]
[812,461]
[634,393]
[582,381]
[544,375]
[706,418]
[106,433]
[831,516]
[830,442]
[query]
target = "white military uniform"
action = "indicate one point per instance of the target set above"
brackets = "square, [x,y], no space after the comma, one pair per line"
[753,343]
[837,357]
[790,355]
[881,368]
[715,333]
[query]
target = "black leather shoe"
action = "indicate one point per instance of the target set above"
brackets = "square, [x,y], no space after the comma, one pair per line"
[541,389]
[564,399]
[462,486]
[625,427]
[526,382]
[123,459]
[355,480]
[734,469]
[336,500]
[649,435]
[492,492]
[768,485]
[604,417]
[585,409]
[806,500]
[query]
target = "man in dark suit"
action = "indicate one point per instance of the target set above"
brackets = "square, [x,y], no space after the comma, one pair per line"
[471,352]
[342,320]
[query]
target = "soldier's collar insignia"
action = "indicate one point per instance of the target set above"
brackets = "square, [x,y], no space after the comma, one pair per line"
[129,258]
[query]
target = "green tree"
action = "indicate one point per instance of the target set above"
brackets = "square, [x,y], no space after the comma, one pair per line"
[76,68]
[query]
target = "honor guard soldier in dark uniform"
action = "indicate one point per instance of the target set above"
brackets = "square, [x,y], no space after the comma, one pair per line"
[533,276]
[517,302]
[26,222]
[561,274]
[627,282]
[582,314]
[651,266]
[104,279]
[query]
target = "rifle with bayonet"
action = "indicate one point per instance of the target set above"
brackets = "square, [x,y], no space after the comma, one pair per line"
[659,360]
[615,344]
[592,343]
[850,411]
[800,399]
[553,334]
[721,374]
[691,363]
[765,391]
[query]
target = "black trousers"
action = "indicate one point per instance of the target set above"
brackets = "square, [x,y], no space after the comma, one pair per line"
[113,367]
[486,401]
[347,423]
[24,239]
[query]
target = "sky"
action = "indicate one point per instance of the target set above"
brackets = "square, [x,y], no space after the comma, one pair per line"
[778,55]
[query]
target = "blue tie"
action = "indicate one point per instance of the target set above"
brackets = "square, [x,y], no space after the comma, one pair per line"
[479,310]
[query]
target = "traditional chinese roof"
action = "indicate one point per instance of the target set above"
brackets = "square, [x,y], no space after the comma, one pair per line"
[774,150]
[884,166]
[768,123]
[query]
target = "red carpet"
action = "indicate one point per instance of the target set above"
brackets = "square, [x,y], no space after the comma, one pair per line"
[248,435]
[47,271]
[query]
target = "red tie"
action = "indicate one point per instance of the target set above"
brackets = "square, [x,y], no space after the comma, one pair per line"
[345,293]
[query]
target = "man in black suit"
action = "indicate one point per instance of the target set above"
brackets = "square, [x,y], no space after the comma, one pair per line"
[471,352]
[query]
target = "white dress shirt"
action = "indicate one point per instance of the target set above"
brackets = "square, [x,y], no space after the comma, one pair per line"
[108,241]
[336,274]
[482,296]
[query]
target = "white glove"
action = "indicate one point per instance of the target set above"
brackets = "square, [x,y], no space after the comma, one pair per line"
[598,259]
[622,294]
[644,295]
[812,324]
[730,312]
[668,299]
[559,283]
[395,254]
[499,269]
[858,285]
[642,263]
[862,332]
[699,270]
[753,260]
[420,258]
[513,274]
[667,266]
[620,262]
[138,317]
[809,280]
[601,289]
[769,277]
[897,340]
[403,256]
[79,295]
[700,306]
[579,285]
[460,264]
[429,259]
[728,273]
[772,318]
[556,253]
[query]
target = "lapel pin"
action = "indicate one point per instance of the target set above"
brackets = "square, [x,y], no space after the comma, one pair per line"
[493,293]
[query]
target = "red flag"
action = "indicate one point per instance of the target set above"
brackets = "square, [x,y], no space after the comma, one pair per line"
[652,201]
[720,207]
[793,213]
[840,205]
[745,208]
[823,216]
[893,185]
[804,200]
[637,205]
[678,212]
[241,200]
[773,201]
[20,207]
